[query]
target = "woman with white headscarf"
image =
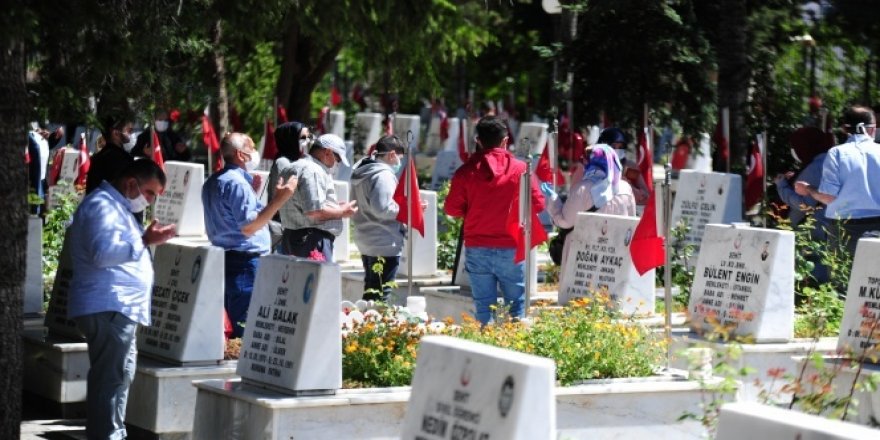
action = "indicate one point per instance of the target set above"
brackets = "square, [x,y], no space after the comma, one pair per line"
[601,190]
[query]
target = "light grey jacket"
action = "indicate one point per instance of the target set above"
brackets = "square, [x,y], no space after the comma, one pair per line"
[377,233]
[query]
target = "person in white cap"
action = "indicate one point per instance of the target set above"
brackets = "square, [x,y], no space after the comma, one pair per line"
[312,218]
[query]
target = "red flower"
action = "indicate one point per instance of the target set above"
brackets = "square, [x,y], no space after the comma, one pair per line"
[316,255]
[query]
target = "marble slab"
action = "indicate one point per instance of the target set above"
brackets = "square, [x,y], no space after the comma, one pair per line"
[263,190]
[743,420]
[463,389]
[342,244]
[424,248]
[860,330]
[444,168]
[433,142]
[745,280]
[404,123]
[57,321]
[367,130]
[181,203]
[336,123]
[702,198]
[33,286]
[536,132]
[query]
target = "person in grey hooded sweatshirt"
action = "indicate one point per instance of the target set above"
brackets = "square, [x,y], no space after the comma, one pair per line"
[377,233]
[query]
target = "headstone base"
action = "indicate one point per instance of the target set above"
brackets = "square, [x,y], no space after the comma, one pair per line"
[446,301]
[292,393]
[761,357]
[162,400]
[751,420]
[868,407]
[353,285]
[55,368]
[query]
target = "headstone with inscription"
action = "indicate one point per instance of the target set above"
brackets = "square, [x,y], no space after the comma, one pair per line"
[466,390]
[434,142]
[536,133]
[408,123]
[66,178]
[336,123]
[57,321]
[704,198]
[292,341]
[744,280]
[598,259]
[367,130]
[181,203]
[341,246]
[424,248]
[33,286]
[187,305]
[860,328]
[741,420]
[444,168]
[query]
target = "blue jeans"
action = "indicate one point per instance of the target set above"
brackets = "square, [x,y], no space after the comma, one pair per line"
[113,356]
[241,271]
[378,282]
[488,268]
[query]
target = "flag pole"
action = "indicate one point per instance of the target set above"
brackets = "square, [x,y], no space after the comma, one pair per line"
[554,152]
[725,130]
[525,220]
[210,166]
[763,146]
[667,268]
[407,192]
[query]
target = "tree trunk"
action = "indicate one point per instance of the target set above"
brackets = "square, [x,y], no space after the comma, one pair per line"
[304,62]
[222,94]
[13,180]
[734,74]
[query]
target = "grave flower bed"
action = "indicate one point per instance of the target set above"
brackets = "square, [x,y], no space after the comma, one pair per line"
[587,339]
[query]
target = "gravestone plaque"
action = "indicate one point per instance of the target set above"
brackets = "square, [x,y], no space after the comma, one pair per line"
[336,123]
[292,340]
[704,198]
[341,247]
[536,132]
[263,190]
[860,330]
[598,259]
[181,203]
[745,280]
[33,286]
[367,130]
[466,390]
[57,321]
[186,311]
[66,178]
[424,248]
[444,168]
[405,123]
[434,143]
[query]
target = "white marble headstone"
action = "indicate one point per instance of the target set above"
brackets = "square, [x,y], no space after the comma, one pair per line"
[466,390]
[335,123]
[748,420]
[444,168]
[703,198]
[598,259]
[70,165]
[181,203]
[536,132]
[745,279]
[433,142]
[367,130]
[862,307]
[292,340]
[56,315]
[187,305]
[403,124]
[424,248]
[341,246]
[33,286]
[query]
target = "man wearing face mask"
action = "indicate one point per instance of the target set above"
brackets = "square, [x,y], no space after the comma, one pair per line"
[173,147]
[849,187]
[312,218]
[236,221]
[377,233]
[110,289]
[113,158]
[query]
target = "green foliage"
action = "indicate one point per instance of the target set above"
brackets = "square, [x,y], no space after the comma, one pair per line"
[54,230]
[252,85]
[447,233]
[682,265]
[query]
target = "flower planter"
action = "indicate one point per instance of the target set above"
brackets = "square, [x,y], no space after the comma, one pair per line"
[618,408]
[55,370]
[353,285]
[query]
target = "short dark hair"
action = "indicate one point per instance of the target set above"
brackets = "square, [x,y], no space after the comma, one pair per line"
[389,143]
[491,131]
[856,115]
[143,170]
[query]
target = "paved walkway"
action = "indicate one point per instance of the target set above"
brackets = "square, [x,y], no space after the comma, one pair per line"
[53,430]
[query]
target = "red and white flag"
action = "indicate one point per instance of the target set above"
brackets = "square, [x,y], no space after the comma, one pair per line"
[270,148]
[543,171]
[209,137]
[646,157]
[157,151]
[647,246]
[84,162]
[282,114]
[413,203]
[516,228]
[755,176]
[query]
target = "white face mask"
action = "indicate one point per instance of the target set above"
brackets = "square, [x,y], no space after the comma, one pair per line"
[130,144]
[139,203]
[621,154]
[161,126]
[253,161]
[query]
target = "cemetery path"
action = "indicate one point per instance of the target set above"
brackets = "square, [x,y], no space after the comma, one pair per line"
[73,429]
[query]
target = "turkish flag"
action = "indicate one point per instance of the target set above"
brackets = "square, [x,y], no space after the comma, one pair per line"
[517,230]
[84,162]
[335,97]
[414,201]
[270,148]
[55,171]
[721,142]
[754,177]
[646,159]
[543,171]
[444,126]
[681,153]
[646,248]
[282,114]
[157,151]
[209,137]
[322,118]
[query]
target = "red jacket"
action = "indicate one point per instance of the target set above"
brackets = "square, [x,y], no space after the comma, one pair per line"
[482,192]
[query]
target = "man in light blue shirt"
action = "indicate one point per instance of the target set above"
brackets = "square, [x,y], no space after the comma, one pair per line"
[236,221]
[850,187]
[110,289]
